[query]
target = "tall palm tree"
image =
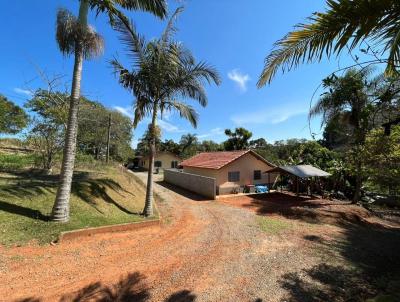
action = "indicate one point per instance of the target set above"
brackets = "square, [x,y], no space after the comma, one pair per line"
[347,102]
[75,36]
[344,25]
[163,72]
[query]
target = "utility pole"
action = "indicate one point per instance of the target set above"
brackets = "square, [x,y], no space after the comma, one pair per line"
[108,138]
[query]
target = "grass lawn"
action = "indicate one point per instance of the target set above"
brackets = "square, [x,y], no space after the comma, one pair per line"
[101,195]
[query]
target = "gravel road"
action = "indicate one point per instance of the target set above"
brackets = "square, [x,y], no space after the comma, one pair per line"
[203,251]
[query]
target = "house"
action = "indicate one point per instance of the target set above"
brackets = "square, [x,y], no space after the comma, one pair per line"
[163,160]
[231,169]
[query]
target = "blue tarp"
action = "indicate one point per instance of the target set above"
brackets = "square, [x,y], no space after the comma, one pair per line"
[261,189]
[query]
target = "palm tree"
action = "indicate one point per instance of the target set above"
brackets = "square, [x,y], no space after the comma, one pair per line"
[163,73]
[187,141]
[75,36]
[348,103]
[345,24]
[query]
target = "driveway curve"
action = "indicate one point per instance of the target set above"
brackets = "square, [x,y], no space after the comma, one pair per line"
[203,251]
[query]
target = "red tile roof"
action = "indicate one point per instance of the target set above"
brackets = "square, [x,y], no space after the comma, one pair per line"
[216,160]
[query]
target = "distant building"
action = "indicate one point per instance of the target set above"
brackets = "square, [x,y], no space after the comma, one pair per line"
[162,160]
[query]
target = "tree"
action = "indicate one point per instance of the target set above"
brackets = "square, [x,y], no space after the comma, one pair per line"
[210,146]
[75,36]
[92,136]
[170,146]
[12,117]
[381,157]
[188,144]
[259,143]
[345,25]
[49,124]
[163,71]
[348,98]
[238,139]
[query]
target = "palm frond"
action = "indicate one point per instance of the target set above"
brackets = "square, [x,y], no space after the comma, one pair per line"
[71,33]
[170,29]
[345,23]
[185,111]
[125,78]
[135,43]
[66,30]
[156,7]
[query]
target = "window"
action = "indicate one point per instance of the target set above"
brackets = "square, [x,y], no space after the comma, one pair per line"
[158,164]
[174,164]
[257,174]
[233,176]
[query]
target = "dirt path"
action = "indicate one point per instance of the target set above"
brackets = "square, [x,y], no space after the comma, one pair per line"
[203,251]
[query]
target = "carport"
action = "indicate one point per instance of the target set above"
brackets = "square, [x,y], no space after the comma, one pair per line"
[299,171]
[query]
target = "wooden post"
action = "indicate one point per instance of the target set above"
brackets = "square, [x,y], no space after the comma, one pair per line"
[108,138]
[269,181]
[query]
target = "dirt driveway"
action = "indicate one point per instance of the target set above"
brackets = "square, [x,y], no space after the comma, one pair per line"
[203,251]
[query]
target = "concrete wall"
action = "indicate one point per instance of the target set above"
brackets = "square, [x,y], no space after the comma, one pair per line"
[202,185]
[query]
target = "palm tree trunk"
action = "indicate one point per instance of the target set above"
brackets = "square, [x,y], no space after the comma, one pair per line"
[148,206]
[60,210]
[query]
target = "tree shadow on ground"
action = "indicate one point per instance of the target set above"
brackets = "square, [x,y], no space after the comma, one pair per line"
[132,288]
[358,264]
[30,185]
[308,209]
[22,211]
[181,191]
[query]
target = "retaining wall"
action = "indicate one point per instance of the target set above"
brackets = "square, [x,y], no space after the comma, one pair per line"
[205,186]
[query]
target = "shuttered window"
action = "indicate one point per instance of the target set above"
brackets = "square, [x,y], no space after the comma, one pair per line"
[257,174]
[234,176]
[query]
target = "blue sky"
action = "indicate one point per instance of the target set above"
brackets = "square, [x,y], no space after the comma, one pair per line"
[232,35]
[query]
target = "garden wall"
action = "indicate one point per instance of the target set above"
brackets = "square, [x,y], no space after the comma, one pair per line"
[205,186]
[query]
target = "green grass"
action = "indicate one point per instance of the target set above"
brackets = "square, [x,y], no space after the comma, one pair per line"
[16,161]
[100,196]
[273,226]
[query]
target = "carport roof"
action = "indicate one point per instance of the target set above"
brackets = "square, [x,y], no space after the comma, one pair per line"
[302,171]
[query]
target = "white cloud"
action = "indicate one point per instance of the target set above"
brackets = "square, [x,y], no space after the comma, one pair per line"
[23,91]
[274,115]
[213,132]
[239,78]
[168,127]
[125,111]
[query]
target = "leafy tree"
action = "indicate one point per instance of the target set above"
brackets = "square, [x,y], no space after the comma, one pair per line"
[170,146]
[75,36]
[162,72]
[93,131]
[238,139]
[345,25]
[12,117]
[210,146]
[258,143]
[47,139]
[49,124]
[381,157]
[348,98]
